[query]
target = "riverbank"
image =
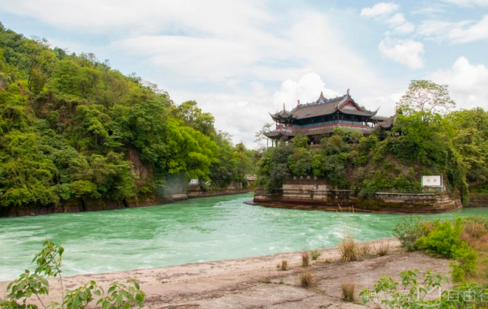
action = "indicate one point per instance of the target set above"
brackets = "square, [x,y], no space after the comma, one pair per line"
[84,205]
[257,283]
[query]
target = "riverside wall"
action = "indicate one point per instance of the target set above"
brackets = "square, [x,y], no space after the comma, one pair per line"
[80,205]
[478,200]
[318,195]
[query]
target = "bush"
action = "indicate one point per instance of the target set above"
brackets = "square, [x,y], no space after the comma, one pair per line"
[445,241]
[48,263]
[348,249]
[412,293]
[474,229]
[409,231]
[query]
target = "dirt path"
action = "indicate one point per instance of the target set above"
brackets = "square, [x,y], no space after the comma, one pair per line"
[257,283]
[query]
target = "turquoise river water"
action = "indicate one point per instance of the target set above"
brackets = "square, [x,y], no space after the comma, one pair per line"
[185,232]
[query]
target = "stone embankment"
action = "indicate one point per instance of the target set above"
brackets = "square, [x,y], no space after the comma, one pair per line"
[80,205]
[317,195]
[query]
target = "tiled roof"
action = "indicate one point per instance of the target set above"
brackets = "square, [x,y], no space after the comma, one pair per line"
[318,108]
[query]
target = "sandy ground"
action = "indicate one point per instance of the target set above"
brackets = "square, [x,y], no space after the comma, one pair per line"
[257,283]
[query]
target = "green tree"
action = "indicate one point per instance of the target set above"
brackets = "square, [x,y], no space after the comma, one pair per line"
[426,97]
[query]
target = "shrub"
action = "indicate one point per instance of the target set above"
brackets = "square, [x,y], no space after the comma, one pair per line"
[411,292]
[307,280]
[348,249]
[474,229]
[445,241]
[409,231]
[442,241]
[305,259]
[348,291]
[48,263]
[315,254]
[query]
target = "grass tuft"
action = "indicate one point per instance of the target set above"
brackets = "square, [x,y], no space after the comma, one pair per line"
[348,291]
[307,280]
[365,249]
[383,249]
[473,229]
[348,248]
[283,265]
[315,254]
[305,259]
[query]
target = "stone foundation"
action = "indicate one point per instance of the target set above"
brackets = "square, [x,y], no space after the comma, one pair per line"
[478,200]
[317,195]
[79,205]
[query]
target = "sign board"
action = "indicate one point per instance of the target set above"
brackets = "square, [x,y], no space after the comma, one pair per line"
[432,181]
[194,182]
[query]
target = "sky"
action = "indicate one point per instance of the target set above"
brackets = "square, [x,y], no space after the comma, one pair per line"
[243,59]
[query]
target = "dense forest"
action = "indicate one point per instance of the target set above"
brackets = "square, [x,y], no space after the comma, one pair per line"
[74,128]
[427,138]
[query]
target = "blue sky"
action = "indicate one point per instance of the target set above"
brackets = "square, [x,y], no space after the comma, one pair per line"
[241,59]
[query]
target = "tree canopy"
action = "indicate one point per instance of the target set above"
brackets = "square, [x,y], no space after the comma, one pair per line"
[74,128]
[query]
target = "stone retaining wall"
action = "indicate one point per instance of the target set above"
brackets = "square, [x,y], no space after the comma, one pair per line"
[317,193]
[478,200]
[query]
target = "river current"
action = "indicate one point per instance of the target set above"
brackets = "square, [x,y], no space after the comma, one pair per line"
[190,231]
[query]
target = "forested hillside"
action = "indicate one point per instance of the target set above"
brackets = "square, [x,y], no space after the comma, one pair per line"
[427,138]
[74,128]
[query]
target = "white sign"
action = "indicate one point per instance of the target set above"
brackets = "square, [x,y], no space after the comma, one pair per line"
[432,181]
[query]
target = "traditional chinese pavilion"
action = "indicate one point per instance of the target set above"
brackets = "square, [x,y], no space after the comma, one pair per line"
[318,119]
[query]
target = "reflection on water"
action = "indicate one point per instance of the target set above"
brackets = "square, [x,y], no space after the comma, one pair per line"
[184,232]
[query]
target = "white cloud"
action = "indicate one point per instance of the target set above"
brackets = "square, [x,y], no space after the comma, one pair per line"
[380,9]
[385,103]
[456,32]
[100,16]
[467,83]
[400,24]
[201,58]
[407,52]
[478,31]
[469,2]
[319,45]
[383,11]
[307,90]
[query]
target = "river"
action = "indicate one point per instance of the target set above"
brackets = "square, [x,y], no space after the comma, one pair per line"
[184,232]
